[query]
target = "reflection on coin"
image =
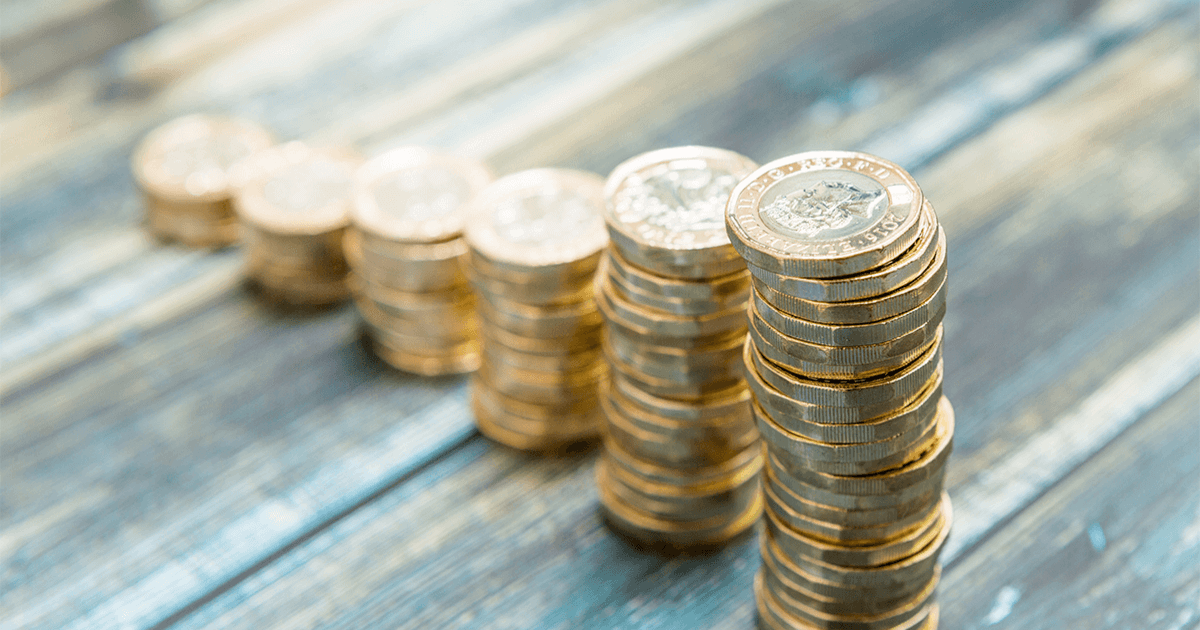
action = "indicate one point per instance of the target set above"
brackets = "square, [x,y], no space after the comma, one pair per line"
[295,189]
[189,158]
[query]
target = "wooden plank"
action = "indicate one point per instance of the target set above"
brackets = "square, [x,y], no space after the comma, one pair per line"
[1115,545]
[518,541]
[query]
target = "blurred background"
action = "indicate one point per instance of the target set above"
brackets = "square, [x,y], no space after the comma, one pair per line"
[175,454]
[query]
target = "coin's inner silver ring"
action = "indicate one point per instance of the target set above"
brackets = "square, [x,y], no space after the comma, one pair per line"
[827,205]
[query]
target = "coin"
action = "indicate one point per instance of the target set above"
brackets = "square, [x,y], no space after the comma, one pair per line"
[865,355]
[871,555]
[293,189]
[725,289]
[837,530]
[412,267]
[665,209]
[676,444]
[660,324]
[676,306]
[824,214]
[455,360]
[786,611]
[416,194]
[802,448]
[182,168]
[714,408]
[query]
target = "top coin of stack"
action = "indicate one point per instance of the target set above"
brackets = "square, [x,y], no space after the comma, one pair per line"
[534,239]
[407,254]
[681,460]
[844,362]
[182,168]
[294,205]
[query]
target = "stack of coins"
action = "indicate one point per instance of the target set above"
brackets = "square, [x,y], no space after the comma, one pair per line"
[407,254]
[183,170]
[844,362]
[534,239]
[294,205]
[681,461]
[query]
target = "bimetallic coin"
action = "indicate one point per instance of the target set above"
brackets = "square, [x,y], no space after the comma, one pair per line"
[805,448]
[725,288]
[720,405]
[833,371]
[876,282]
[416,195]
[685,502]
[294,189]
[658,324]
[783,611]
[796,544]
[538,218]
[792,460]
[864,355]
[566,321]
[918,413]
[498,424]
[675,443]
[861,602]
[189,158]
[837,530]
[192,230]
[665,210]
[455,360]
[413,267]
[690,307]
[824,214]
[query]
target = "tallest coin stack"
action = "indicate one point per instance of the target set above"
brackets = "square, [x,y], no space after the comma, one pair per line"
[844,363]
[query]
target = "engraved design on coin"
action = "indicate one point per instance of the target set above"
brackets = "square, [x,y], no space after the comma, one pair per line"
[199,166]
[685,200]
[421,194]
[309,185]
[545,217]
[825,206]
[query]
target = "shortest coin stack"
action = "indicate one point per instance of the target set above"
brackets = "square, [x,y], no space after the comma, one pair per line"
[294,204]
[844,362]
[681,461]
[407,254]
[534,239]
[183,170]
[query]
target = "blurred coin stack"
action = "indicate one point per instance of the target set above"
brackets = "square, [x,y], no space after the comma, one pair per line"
[534,239]
[844,361]
[183,169]
[681,461]
[407,254]
[294,205]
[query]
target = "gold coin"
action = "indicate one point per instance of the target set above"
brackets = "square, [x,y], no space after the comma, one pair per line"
[416,194]
[746,462]
[677,386]
[873,354]
[725,288]
[690,307]
[665,210]
[526,434]
[572,361]
[450,321]
[869,284]
[407,267]
[714,408]
[569,321]
[674,443]
[858,602]
[647,529]
[658,324]
[805,449]
[931,310]
[543,218]
[418,341]
[822,371]
[918,476]
[459,360]
[302,253]
[292,189]
[559,278]
[530,293]
[301,293]
[903,454]
[902,580]
[898,387]
[561,348]
[680,503]
[720,363]
[836,530]
[824,214]
[542,387]
[867,310]
[785,611]
[183,169]
[880,553]
[848,513]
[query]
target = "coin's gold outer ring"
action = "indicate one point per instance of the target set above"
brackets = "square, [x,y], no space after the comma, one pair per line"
[539,437]
[252,176]
[710,289]
[902,385]
[447,325]
[724,366]
[398,303]
[833,371]
[769,619]
[679,387]
[370,217]
[855,334]
[763,247]
[870,284]
[681,265]
[848,517]
[793,461]
[192,126]
[885,582]
[846,602]
[864,311]
[539,412]
[722,404]
[914,477]
[507,381]
[192,229]
[902,573]
[552,349]
[681,502]
[483,239]
[717,475]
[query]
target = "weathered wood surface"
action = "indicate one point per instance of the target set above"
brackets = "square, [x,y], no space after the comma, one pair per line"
[174,454]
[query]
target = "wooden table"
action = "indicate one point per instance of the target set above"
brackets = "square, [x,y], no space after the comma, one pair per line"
[176,454]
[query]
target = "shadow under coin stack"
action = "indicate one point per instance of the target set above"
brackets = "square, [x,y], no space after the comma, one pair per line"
[183,169]
[534,239]
[294,204]
[407,254]
[844,362]
[681,461]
